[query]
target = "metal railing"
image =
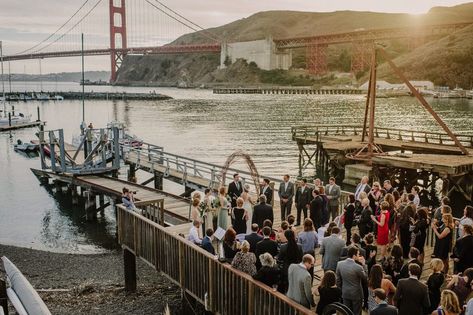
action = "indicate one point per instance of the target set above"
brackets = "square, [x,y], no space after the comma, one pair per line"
[305,132]
[223,289]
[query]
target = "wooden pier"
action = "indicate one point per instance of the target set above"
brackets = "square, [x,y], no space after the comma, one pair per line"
[22,125]
[286,90]
[94,96]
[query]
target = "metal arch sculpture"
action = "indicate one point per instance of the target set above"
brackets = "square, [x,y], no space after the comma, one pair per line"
[235,156]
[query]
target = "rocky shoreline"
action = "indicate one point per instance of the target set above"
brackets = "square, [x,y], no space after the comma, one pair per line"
[92,284]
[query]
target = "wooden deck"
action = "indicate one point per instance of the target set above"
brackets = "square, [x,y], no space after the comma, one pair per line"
[21,126]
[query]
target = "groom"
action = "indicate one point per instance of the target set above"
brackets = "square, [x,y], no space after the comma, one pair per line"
[286,194]
[235,189]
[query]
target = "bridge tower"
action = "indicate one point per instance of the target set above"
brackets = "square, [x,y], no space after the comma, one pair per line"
[316,57]
[361,55]
[117,35]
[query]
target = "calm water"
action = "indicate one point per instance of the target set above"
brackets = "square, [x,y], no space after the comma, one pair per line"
[195,123]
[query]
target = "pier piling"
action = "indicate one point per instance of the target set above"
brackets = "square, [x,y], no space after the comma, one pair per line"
[3,297]
[129,263]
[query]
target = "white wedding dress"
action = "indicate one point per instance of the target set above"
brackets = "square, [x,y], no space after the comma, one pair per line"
[249,209]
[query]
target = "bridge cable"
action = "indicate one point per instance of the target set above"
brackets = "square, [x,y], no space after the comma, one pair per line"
[46,39]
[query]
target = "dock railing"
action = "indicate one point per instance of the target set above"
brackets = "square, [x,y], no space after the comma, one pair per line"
[218,286]
[315,132]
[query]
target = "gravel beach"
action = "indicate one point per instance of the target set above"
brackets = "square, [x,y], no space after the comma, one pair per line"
[92,284]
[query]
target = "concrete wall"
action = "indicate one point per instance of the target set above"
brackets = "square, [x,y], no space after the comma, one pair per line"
[262,52]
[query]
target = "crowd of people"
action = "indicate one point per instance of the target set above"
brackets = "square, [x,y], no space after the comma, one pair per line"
[378,265]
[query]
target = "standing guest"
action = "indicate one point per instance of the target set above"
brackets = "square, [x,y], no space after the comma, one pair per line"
[291,219]
[209,216]
[331,250]
[413,259]
[382,308]
[127,199]
[349,215]
[435,282]
[439,211]
[467,219]
[412,296]
[317,183]
[362,187]
[388,186]
[207,241]
[393,264]
[247,205]
[239,217]
[443,237]
[290,253]
[300,282]
[462,252]
[461,285]
[269,272]
[355,241]
[316,209]
[415,191]
[195,213]
[286,194]
[235,189]
[230,244]
[383,227]
[376,280]
[266,245]
[267,191]
[421,224]
[308,240]
[222,220]
[328,291]
[325,211]
[194,233]
[303,198]
[245,260]
[333,194]
[371,250]
[253,238]
[375,196]
[365,224]
[280,238]
[389,198]
[330,226]
[449,304]
[405,221]
[262,212]
[351,274]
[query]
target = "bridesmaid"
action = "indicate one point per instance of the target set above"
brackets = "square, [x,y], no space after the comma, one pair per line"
[222,220]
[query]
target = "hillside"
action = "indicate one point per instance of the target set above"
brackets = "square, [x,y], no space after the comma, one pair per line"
[283,24]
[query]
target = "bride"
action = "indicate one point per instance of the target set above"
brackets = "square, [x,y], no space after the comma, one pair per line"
[248,206]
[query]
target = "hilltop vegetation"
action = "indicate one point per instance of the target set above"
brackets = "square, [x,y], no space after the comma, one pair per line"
[441,60]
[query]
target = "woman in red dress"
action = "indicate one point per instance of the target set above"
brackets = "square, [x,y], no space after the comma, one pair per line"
[382,220]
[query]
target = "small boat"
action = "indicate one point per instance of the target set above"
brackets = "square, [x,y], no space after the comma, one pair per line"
[15,120]
[26,146]
[57,98]
[42,97]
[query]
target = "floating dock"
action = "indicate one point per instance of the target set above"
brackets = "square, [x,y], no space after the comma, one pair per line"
[21,126]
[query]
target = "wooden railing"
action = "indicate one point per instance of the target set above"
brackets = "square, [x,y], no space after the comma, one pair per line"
[304,132]
[223,289]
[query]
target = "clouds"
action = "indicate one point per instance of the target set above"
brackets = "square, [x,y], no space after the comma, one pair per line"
[25,23]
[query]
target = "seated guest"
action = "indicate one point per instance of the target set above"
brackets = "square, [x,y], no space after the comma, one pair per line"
[300,282]
[253,238]
[269,272]
[290,253]
[412,296]
[266,245]
[308,240]
[244,260]
[449,304]
[435,282]
[393,264]
[328,291]
[461,284]
[331,250]
[382,307]
[230,244]
[355,241]
[269,224]
[280,238]
[376,280]
[262,212]
[370,250]
[194,233]
[291,219]
[207,241]
[413,259]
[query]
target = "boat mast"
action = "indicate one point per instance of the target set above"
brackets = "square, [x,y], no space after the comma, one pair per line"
[9,77]
[83,85]
[3,83]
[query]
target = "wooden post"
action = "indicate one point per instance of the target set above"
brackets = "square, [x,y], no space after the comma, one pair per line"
[102,204]
[37,114]
[9,119]
[131,172]
[3,297]
[129,263]
[158,180]
[90,207]
[74,197]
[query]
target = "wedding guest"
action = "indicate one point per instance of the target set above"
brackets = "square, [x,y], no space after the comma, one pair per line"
[303,199]
[461,285]
[325,211]
[262,212]
[194,233]
[388,186]
[467,219]
[333,194]
[253,238]
[382,307]
[209,216]
[239,217]
[316,209]
[376,280]
[365,224]
[290,253]
[383,227]
[362,187]
[443,238]
[222,220]
[207,241]
[421,224]
[449,304]
[269,272]
[413,259]
[415,191]
[405,221]
[280,238]
[349,215]
[371,250]
[245,260]
[300,282]
[331,250]
[393,264]
[230,244]
[462,252]
[267,191]
[266,245]
[435,282]
[412,296]
[328,291]
[235,189]
[286,194]
[247,205]
[308,240]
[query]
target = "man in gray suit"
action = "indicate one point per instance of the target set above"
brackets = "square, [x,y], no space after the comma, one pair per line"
[300,282]
[331,250]
[286,194]
[351,274]
[333,194]
[362,186]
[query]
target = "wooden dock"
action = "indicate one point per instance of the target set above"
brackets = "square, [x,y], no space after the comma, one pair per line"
[22,126]
[286,90]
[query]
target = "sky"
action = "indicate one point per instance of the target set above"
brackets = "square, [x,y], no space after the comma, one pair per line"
[26,23]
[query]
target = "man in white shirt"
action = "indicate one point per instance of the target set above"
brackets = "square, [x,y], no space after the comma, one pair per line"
[194,233]
[362,186]
[415,191]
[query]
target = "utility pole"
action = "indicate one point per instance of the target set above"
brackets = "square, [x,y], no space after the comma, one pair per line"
[83,81]
[3,83]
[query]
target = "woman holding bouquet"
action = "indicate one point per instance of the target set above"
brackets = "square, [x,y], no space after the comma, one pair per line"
[222,220]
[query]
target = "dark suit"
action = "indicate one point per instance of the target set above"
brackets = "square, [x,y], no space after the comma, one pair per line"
[286,194]
[266,246]
[411,297]
[384,309]
[268,193]
[359,189]
[262,212]
[316,211]
[234,192]
[404,273]
[303,199]
[253,239]
[462,250]
[207,245]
